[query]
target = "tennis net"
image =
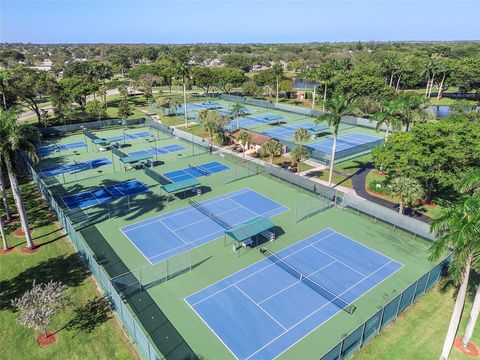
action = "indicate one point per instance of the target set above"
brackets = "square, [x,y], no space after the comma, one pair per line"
[208,213]
[118,152]
[156,176]
[199,169]
[327,294]
[90,135]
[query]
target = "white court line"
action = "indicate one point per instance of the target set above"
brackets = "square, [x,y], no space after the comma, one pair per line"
[359,243]
[297,282]
[296,342]
[313,313]
[172,231]
[270,264]
[322,238]
[265,311]
[339,261]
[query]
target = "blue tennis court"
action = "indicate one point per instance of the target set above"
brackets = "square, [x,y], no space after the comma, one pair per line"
[195,171]
[74,167]
[127,136]
[266,308]
[43,150]
[178,231]
[249,121]
[158,150]
[286,132]
[344,142]
[104,194]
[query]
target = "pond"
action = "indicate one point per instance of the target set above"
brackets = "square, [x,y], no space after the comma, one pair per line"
[442,111]
[303,84]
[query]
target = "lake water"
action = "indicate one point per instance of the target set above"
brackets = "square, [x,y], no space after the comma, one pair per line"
[442,111]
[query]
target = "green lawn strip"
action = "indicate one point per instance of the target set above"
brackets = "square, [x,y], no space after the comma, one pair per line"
[419,332]
[86,330]
[172,120]
[429,210]
[353,165]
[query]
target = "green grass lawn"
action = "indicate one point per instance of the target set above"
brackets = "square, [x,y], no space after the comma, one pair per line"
[87,330]
[429,210]
[419,332]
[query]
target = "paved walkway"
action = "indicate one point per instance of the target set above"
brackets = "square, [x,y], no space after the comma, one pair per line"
[359,184]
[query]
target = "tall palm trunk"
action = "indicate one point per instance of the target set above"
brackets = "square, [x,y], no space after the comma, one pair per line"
[398,83]
[185,103]
[17,195]
[440,88]
[313,97]
[3,235]
[391,79]
[431,85]
[4,101]
[3,190]
[428,85]
[332,159]
[472,320]
[457,311]
[324,97]
[278,80]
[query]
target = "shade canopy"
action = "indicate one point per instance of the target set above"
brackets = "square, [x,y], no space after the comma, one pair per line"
[250,228]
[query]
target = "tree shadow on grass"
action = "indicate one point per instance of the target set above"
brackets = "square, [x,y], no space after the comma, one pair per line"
[447,283]
[87,317]
[65,268]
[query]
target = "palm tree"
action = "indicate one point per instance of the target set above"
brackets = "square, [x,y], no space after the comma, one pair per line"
[301,135]
[15,138]
[298,155]
[388,117]
[5,76]
[277,71]
[312,75]
[272,148]
[3,235]
[237,112]
[182,69]
[472,186]
[326,72]
[411,108]
[407,189]
[457,229]
[3,190]
[338,106]
[244,138]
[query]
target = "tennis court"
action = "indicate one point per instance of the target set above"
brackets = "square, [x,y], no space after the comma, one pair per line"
[266,308]
[344,142]
[43,150]
[74,167]
[286,132]
[104,194]
[249,121]
[186,228]
[123,137]
[195,171]
[157,150]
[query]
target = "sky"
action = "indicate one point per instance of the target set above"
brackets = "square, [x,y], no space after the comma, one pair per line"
[268,21]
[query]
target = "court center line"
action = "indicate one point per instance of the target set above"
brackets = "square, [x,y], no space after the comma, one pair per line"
[310,315]
[270,264]
[339,261]
[265,311]
[296,282]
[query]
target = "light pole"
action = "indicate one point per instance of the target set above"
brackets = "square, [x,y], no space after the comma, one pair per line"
[84,135]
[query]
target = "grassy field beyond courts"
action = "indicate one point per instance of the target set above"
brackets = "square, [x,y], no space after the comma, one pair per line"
[419,332]
[87,329]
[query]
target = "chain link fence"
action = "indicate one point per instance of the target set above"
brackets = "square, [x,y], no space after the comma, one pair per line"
[382,318]
[134,330]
